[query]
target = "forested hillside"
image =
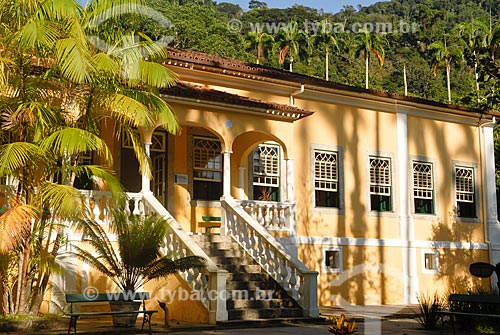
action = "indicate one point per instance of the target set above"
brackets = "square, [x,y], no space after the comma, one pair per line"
[446,50]
[429,40]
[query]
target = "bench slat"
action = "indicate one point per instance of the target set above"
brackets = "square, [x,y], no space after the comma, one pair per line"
[77,297]
[113,313]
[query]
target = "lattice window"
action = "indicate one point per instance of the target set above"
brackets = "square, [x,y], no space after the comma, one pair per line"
[380,176]
[326,171]
[423,185]
[207,159]
[159,142]
[266,165]
[464,181]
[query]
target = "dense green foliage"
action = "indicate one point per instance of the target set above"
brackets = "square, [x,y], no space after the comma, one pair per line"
[430,38]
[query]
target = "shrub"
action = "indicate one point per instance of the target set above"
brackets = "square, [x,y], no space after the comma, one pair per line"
[341,326]
[429,306]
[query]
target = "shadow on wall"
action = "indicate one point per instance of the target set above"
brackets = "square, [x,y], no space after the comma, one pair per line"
[454,262]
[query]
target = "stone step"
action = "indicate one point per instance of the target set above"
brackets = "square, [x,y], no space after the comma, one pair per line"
[252,285]
[261,303]
[263,313]
[257,294]
[248,276]
[226,253]
[243,268]
[223,261]
[211,238]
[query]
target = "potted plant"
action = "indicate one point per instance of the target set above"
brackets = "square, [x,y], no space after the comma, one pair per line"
[135,259]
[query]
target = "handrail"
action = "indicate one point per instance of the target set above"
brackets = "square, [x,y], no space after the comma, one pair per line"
[209,281]
[286,269]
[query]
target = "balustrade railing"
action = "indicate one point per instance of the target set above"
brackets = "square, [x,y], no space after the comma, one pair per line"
[288,271]
[209,282]
[274,216]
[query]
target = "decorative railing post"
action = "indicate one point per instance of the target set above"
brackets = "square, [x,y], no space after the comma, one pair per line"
[217,296]
[310,298]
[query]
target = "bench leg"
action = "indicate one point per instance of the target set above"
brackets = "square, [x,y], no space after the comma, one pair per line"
[72,324]
[146,319]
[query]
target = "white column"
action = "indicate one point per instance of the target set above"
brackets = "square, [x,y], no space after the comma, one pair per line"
[241,184]
[489,195]
[146,182]
[407,231]
[226,180]
[290,176]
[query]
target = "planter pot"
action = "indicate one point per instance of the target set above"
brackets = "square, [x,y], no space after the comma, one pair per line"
[123,306]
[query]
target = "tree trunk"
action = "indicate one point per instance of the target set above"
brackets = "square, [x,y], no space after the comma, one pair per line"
[367,61]
[327,65]
[23,279]
[448,72]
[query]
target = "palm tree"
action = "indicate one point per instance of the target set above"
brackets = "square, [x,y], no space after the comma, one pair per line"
[366,43]
[259,41]
[55,91]
[327,41]
[444,56]
[288,41]
[136,258]
[475,34]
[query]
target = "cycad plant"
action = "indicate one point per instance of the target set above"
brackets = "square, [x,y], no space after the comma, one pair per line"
[136,258]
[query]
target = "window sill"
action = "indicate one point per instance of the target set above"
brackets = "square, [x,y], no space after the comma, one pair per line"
[328,210]
[467,220]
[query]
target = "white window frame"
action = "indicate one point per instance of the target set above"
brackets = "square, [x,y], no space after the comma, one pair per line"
[423,189]
[339,151]
[433,253]
[475,194]
[390,185]
[208,169]
[339,259]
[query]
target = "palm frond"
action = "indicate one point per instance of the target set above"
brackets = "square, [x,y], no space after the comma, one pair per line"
[16,155]
[156,75]
[15,223]
[126,109]
[74,60]
[75,141]
[164,266]
[60,9]
[65,202]
[38,33]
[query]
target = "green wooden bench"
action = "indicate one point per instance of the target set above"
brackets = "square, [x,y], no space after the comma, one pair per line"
[72,298]
[469,306]
[210,222]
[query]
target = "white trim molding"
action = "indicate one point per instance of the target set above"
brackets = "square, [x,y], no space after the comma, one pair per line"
[433,267]
[376,242]
[326,266]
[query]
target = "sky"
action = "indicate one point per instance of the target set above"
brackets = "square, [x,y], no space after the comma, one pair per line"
[332,6]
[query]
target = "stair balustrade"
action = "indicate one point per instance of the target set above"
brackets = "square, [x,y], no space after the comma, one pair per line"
[295,278]
[208,283]
[274,216]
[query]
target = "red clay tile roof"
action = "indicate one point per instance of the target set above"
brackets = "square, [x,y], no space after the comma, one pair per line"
[254,71]
[273,110]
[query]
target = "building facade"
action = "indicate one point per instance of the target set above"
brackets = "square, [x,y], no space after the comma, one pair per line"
[343,195]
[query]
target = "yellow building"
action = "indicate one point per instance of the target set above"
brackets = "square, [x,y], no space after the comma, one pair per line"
[340,194]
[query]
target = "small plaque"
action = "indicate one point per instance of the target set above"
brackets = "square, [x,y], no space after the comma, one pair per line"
[181,179]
